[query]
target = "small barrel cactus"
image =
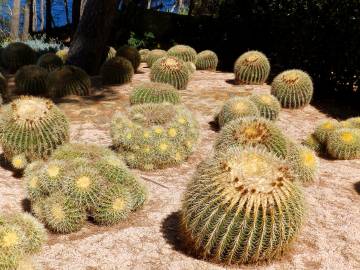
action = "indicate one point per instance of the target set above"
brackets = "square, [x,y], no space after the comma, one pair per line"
[16,55]
[154,55]
[50,61]
[111,53]
[155,136]
[33,127]
[206,60]
[131,54]
[68,80]
[143,55]
[252,67]
[242,206]
[117,70]
[254,132]
[303,162]
[3,86]
[21,235]
[344,143]
[31,80]
[63,54]
[235,108]
[324,128]
[170,70]
[183,52]
[268,105]
[154,93]
[293,88]
[353,122]
[314,144]
[80,181]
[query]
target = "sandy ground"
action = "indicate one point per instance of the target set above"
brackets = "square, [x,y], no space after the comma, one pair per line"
[330,238]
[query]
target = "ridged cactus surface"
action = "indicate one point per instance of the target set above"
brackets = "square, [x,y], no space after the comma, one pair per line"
[31,80]
[183,52]
[154,93]
[268,105]
[50,61]
[206,60]
[154,55]
[131,54]
[16,55]
[117,70]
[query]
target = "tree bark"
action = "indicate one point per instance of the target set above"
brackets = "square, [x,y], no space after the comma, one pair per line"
[89,46]
[42,15]
[48,16]
[15,20]
[66,5]
[26,27]
[76,7]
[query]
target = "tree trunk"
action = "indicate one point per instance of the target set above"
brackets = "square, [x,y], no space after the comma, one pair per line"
[26,27]
[48,16]
[66,5]
[15,20]
[42,15]
[88,48]
[76,6]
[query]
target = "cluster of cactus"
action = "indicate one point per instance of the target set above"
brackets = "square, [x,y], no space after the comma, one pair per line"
[17,54]
[154,55]
[252,67]
[31,129]
[155,135]
[154,93]
[243,205]
[206,60]
[183,52]
[81,181]
[21,236]
[111,53]
[50,61]
[68,80]
[31,80]
[339,140]
[236,107]
[131,54]
[63,54]
[268,105]
[293,88]
[117,70]
[171,70]
[143,55]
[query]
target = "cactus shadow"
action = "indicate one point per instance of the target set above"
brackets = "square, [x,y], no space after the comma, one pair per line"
[231,81]
[357,187]
[7,166]
[170,229]
[26,205]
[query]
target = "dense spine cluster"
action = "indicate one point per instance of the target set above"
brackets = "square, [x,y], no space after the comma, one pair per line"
[183,52]
[242,206]
[117,70]
[154,136]
[344,143]
[252,67]
[170,70]
[82,180]
[63,54]
[293,88]
[154,93]
[268,106]
[49,61]
[154,55]
[16,55]
[206,60]
[143,55]
[32,127]
[131,54]
[31,80]
[68,80]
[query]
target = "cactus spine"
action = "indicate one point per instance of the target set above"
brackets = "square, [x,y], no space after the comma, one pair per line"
[63,54]
[131,54]
[207,60]
[223,213]
[324,128]
[16,55]
[293,88]
[50,61]
[154,55]
[170,70]
[117,70]
[252,67]
[183,52]
[154,93]
[143,55]
[268,106]
[31,80]
[344,143]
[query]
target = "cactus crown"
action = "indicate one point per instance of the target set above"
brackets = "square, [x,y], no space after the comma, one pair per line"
[151,114]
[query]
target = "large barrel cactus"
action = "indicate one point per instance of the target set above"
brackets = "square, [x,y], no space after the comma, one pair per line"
[68,80]
[242,206]
[293,88]
[183,52]
[32,128]
[21,236]
[117,70]
[170,70]
[131,54]
[17,54]
[154,93]
[236,107]
[344,143]
[206,60]
[324,129]
[80,181]
[154,136]
[143,55]
[254,132]
[252,67]
[154,55]
[268,105]
[31,80]
[50,61]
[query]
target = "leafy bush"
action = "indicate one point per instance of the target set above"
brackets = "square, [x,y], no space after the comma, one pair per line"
[145,41]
